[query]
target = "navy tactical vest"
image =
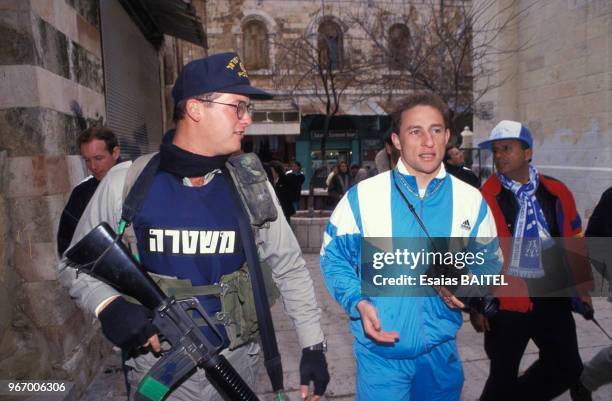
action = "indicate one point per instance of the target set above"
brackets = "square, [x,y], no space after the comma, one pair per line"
[190,232]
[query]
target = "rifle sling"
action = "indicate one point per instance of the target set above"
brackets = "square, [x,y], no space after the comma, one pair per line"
[272,359]
[138,192]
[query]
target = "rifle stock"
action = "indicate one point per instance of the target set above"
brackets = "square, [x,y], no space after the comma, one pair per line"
[102,254]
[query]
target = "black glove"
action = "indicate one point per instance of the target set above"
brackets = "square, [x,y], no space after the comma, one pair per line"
[313,366]
[127,325]
[582,308]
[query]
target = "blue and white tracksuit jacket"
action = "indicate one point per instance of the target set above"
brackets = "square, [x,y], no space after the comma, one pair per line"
[374,208]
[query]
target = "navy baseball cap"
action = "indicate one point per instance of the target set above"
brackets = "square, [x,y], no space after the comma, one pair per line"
[223,72]
[507,129]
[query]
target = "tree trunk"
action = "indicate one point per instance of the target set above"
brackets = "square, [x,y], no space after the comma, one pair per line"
[323,148]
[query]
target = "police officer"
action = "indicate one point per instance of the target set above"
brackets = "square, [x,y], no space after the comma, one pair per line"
[187,230]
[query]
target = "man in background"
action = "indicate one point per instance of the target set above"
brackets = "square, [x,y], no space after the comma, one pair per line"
[340,183]
[454,161]
[100,151]
[296,179]
[533,210]
[387,157]
[598,371]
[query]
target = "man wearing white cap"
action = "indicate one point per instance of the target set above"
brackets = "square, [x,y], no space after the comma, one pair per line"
[532,209]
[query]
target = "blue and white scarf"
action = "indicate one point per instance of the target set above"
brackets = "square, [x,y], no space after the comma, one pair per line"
[531,231]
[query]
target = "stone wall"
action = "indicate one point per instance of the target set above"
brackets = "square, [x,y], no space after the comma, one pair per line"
[309,229]
[560,85]
[50,65]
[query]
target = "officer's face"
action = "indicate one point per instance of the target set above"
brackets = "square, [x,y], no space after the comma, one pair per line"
[97,158]
[422,141]
[221,128]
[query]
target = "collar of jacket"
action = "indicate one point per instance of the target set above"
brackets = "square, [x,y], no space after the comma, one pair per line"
[515,296]
[411,179]
[570,224]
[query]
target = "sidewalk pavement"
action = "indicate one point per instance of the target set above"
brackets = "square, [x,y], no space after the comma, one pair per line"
[109,385]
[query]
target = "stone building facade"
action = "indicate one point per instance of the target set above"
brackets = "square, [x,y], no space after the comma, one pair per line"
[50,56]
[55,76]
[559,83]
[264,31]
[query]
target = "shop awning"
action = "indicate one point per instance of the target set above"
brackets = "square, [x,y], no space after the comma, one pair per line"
[176,18]
[367,107]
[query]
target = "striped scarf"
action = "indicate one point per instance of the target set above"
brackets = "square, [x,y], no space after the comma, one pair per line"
[531,231]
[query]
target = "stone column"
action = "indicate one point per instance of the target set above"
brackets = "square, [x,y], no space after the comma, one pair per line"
[50,66]
[496,28]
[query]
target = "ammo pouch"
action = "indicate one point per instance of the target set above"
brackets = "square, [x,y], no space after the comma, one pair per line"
[235,292]
[252,184]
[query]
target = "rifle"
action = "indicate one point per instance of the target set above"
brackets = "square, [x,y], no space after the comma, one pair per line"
[102,254]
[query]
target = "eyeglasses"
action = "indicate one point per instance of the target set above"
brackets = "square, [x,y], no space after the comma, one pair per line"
[241,107]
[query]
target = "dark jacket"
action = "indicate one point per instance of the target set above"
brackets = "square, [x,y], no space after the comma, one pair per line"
[340,183]
[295,181]
[464,174]
[600,223]
[559,208]
[79,198]
[284,192]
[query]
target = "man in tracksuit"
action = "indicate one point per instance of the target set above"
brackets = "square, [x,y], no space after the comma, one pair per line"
[405,346]
[532,209]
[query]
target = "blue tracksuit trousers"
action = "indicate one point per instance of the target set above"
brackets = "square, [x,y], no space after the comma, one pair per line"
[433,376]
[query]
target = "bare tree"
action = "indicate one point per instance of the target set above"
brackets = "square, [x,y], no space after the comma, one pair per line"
[315,68]
[433,47]
[440,45]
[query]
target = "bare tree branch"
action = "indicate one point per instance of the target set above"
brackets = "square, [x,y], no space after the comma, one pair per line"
[442,54]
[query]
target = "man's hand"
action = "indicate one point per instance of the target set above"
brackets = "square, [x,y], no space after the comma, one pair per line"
[371,324]
[128,325]
[313,367]
[449,299]
[479,322]
[583,305]
[153,343]
[586,298]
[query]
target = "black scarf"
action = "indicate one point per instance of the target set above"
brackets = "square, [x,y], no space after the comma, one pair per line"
[183,163]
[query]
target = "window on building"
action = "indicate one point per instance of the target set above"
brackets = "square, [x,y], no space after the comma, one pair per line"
[255,42]
[330,44]
[399,46]
[275,116]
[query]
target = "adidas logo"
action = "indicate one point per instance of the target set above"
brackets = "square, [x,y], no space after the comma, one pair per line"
[466,225]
